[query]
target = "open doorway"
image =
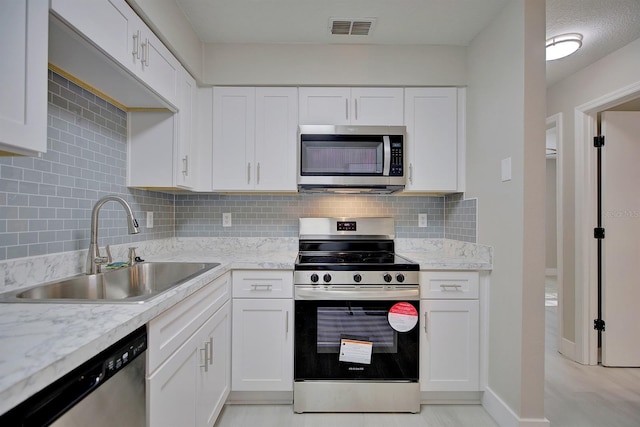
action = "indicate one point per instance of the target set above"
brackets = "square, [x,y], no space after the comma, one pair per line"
[586,290]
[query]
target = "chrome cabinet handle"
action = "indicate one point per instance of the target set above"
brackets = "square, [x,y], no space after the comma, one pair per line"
[286,322]
[185,165]
[346,109]
[445,287]
[425,324]
[207,351]
[204,364]
[248,173]
[210,350]
[136,45]
[261,287]
[258,173]
[145,52]
[356,108]
[410,173]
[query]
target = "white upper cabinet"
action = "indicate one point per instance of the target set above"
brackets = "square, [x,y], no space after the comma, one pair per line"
[162,149]
[254,137]
[23,77]
[117,31]
[435,151]
[186,147]
[356,106]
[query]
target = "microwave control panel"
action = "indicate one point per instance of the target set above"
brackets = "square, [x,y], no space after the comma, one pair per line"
[397,156]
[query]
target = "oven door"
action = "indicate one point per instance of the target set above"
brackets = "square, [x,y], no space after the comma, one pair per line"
[356,340]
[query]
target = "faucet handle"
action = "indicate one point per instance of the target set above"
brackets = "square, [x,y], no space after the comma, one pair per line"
[109,258]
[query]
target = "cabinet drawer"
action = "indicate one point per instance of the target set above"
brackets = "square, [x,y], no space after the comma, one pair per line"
[449,284]
[262,284]
[171,329]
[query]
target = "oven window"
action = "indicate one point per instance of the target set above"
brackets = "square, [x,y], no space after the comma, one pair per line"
[357,323]
[342,340]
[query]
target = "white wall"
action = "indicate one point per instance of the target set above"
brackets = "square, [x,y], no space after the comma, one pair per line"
[506,119]
[344,65]
[613,72]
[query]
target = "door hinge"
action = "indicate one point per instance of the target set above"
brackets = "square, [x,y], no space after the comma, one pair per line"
[598,233]
[598,325]
[598,141]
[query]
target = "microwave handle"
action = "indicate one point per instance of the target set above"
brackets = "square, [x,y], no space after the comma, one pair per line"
[387,155]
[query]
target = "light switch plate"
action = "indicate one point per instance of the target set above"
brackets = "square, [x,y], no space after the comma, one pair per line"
[149,219]
[422,220]
[226,219]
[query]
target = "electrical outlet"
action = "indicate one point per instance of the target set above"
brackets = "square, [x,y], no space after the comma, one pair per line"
[226,219]
[422,220]
[149,219]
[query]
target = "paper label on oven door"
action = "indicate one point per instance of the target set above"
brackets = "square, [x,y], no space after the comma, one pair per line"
[355,351]
[403,317]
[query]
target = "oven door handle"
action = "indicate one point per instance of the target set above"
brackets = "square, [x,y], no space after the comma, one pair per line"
[321,294]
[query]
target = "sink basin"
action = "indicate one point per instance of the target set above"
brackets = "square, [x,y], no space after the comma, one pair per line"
[137,283]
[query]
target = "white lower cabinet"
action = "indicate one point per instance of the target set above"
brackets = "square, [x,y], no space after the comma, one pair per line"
[450,328]
[189,359]
[262,343]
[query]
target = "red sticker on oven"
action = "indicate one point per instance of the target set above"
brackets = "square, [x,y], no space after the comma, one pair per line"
[403,317]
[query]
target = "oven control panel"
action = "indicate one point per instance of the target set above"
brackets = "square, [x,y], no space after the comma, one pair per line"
[363,278]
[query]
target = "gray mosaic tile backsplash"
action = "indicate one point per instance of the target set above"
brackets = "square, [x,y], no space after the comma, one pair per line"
[46,202]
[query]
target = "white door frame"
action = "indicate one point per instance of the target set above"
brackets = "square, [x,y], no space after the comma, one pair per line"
[556,122]
[586,269]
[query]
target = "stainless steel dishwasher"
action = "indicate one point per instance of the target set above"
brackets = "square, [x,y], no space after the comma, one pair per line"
[107,390]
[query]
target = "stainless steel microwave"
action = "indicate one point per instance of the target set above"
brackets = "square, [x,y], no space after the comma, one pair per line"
[351,159]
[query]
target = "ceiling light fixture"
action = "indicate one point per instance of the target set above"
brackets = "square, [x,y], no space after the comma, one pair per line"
[563,45]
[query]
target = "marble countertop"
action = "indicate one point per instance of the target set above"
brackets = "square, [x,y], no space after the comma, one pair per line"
[41,342]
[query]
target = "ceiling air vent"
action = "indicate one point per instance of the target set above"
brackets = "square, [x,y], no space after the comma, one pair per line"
[352,27]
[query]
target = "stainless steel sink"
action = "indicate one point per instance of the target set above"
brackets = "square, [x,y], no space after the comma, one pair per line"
[137,283]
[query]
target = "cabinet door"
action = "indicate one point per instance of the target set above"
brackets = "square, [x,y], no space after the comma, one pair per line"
[262,345]
[324,105]
[23,76]
[214,380]
[108,24]
[450,346]
[186,161]
[432,139]
[377,106]
[233,138]
[276,136]
[158,68]
[171,390]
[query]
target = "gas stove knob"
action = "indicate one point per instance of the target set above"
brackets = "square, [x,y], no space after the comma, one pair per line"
[387,277]
[400,277]
[357,278]
[314,278]
[326,278]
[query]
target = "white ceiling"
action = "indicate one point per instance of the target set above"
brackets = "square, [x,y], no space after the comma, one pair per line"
[605,24]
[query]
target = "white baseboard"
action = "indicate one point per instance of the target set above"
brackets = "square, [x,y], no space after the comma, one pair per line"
[551,272]
[568,348]
[504,415]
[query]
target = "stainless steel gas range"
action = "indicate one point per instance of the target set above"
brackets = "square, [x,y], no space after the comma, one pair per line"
[356,319]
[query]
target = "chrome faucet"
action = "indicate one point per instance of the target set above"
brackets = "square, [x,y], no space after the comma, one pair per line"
[94,260]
